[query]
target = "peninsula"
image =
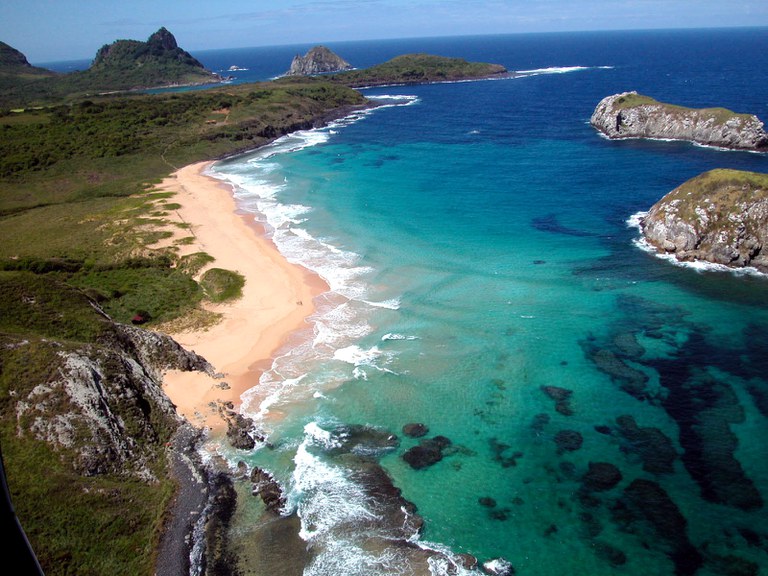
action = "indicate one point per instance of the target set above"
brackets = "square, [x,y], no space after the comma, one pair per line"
[420,69]
[720,216]
[632,115]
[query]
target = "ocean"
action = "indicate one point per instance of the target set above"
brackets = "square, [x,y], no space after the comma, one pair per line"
[585,407]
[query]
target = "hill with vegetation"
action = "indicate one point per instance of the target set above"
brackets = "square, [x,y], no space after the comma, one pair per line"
[720,216]
[120,66]
[15,69]
[84,425]
[419,69]
[633,115]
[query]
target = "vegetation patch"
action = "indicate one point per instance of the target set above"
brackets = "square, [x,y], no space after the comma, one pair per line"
[222,285]
[633,100]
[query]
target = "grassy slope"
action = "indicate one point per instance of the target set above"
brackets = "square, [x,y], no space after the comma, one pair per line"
[726,187]
[720,115]
[77,214]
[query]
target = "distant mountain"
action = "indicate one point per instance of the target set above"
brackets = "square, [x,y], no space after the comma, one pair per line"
[319,60]
[159,61]
[120,66]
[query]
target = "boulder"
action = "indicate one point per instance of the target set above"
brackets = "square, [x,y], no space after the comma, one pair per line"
[266,486]
[561,396]
[427,453]
[415,430]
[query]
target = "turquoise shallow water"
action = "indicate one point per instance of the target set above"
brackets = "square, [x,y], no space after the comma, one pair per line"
[606,409]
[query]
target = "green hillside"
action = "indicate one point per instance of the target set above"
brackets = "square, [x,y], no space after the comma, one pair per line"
[120,66]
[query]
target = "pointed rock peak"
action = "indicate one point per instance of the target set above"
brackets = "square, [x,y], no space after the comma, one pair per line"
[319,60]
[163,39]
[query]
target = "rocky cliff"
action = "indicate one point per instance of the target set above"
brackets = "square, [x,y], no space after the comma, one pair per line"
[91,445]
[319,60]
[631,115]
[720,216]
[102,405]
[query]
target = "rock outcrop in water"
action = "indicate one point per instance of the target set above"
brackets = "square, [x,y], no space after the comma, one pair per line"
[319,60]
[632,115]
[720,216]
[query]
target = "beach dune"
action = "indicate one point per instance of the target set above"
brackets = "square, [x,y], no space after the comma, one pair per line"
[277,298]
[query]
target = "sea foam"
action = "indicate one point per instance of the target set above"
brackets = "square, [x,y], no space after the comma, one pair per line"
[560,70]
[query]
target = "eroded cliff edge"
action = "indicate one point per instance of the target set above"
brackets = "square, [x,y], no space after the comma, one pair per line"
[632,115]
[720,216]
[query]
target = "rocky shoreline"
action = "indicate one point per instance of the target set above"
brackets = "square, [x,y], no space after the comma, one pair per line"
[720,217]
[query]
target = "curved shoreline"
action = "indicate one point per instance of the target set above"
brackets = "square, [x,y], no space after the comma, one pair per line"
[276,302]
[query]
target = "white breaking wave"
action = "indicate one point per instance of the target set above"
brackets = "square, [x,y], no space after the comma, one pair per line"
[322,495]
[392,336]
[560,70]
[696,265]
[361,359]
[391,304]
[357,356]
[266,402]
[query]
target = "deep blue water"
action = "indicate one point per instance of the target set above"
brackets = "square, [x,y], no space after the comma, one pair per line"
[475,239]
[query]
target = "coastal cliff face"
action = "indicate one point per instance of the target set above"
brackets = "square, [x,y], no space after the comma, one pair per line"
[631,115]
[319,60]
[720,216]
[93,448]
[102,406]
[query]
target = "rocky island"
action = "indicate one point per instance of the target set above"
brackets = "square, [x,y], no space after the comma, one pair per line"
[319,60]
[720,216]
[632,115]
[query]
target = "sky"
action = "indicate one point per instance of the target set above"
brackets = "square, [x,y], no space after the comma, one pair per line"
[59,30]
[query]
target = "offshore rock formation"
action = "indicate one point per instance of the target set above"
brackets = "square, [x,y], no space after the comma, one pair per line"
[631,115]
[720,216]
[319,60]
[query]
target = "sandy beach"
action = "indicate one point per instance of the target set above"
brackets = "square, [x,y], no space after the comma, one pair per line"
[276,301]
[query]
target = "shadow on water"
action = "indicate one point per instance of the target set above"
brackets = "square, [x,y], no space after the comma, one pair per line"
[627,263]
